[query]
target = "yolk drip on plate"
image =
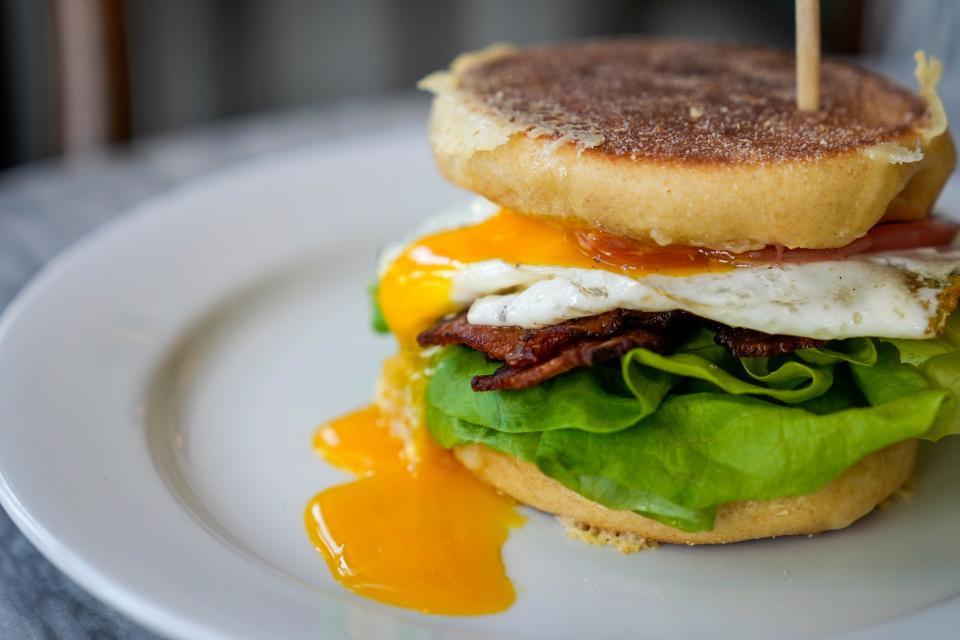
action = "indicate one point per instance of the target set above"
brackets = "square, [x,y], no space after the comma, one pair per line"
[416,530]
[415,290]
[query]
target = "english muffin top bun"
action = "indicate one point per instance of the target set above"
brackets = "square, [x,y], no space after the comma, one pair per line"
[690,143]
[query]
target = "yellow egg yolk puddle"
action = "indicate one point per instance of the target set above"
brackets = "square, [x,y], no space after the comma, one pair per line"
[415,291]
[417,530]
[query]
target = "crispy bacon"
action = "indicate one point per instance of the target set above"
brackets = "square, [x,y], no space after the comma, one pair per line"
[583,354]
[531,356]
[526,347]
[496,342]
[747,343]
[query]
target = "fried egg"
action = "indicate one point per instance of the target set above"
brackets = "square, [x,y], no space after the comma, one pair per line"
[511,269]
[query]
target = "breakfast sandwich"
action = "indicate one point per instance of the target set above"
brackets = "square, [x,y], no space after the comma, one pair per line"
[683,310]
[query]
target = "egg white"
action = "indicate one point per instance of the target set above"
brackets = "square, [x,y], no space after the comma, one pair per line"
[898,294]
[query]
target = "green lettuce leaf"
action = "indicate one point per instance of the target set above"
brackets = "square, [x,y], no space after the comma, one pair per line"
[377,320]
[450,432]
[943,372]
[919,351]
[853,350]
[700,451]
[791,381]
[597,399]
[888,379]
[937,360]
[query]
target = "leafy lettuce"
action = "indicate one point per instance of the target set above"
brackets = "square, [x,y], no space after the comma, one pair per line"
[674,437]
[378,321]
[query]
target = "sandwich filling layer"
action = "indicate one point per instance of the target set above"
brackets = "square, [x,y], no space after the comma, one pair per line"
[509,269]
[672,382]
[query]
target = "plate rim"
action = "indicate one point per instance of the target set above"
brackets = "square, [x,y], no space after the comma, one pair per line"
[108,590]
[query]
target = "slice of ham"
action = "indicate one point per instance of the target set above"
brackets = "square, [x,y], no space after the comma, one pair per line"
[781,255]
[896,236]
[889,236]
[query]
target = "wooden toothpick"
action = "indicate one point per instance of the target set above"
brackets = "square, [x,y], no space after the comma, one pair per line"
[808,55]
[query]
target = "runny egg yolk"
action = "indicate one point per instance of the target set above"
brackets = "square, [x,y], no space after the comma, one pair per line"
[417,530]
[416,289]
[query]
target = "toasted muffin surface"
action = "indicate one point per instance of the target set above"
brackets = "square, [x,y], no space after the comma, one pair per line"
[686,143]
[689,101]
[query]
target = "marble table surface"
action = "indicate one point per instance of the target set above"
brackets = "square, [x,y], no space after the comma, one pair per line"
[46,207]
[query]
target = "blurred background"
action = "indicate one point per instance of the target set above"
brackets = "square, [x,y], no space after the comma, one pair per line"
[78,74]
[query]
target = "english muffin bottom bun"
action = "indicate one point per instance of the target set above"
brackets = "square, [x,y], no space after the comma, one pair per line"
[689,143]
[846,499]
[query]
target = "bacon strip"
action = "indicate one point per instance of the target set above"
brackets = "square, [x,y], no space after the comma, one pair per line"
[526,347]
[747,343]
[886,236]
[496,342]
[583,354]
[531,356]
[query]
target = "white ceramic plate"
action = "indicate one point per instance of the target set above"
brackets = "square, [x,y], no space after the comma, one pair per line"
[160,384]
